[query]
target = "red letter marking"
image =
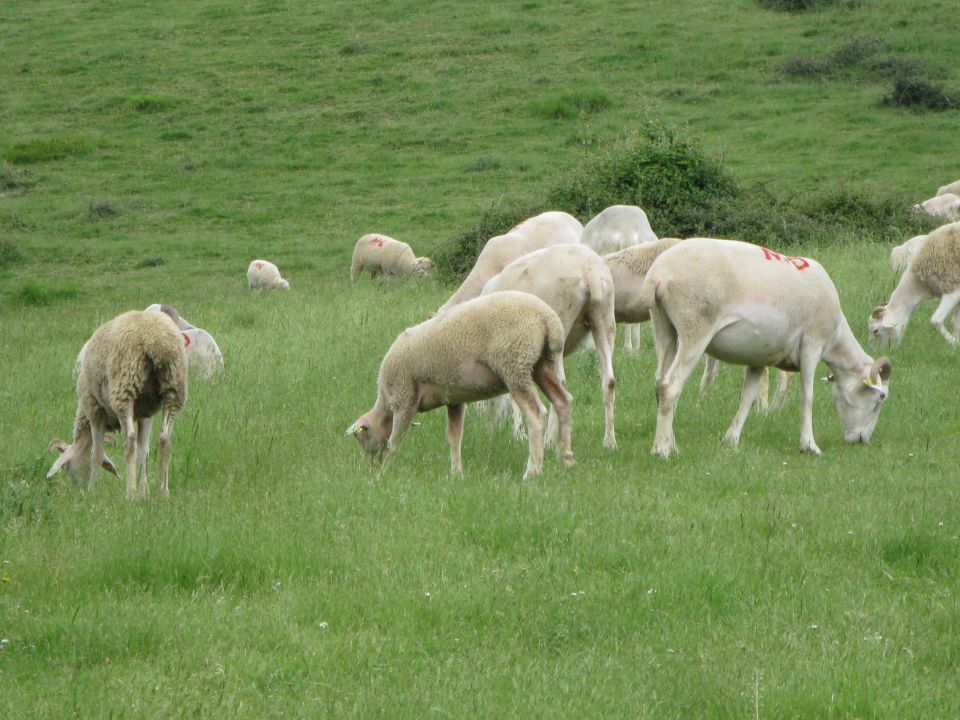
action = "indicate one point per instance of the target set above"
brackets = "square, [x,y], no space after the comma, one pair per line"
[186,339]
[377,241]
[798,262]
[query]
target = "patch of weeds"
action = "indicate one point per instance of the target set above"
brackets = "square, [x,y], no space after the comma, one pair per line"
[795,5]
[571,105]
[11,181]
[917,93]
[354,48]
[46,149]
[853,53]
[14,223]
[25,492]
[176,135]
[98,210]
[151,262]
[483,164]
[40,295]
[9,253]
[803,66]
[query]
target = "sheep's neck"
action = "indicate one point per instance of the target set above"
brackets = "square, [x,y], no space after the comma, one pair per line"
[909,293]
[844,355]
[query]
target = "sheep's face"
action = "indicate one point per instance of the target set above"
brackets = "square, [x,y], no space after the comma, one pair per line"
[883,329]
[372,432]
[424,265]
[75,459]
[858,398]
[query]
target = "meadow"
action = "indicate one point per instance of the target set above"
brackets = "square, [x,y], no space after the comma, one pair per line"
[149,152]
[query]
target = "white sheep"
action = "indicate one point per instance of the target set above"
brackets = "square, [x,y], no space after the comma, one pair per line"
[901,255]
[933,272]
[132,366]
[953,187]
[203,354]
[383,255]
[504,342]
[617,228]
[945,206]
[264,275]
[544,230]
[576,283]
[748,305]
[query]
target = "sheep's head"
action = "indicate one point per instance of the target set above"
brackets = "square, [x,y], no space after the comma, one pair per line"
[884,330]
[372,431]
[858,398]
[424,265]
[75,458]
[283,284]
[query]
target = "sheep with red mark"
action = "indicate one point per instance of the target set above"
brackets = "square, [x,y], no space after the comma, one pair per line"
[747,305]
[204,358]
[382,255]
[264,275]
[505,342]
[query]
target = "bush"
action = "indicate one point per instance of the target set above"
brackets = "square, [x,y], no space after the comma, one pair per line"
[913,92]
[569,106]
[9,253]
[795,5]
[43,150]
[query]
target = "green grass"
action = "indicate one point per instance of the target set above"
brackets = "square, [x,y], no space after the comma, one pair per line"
[286,578]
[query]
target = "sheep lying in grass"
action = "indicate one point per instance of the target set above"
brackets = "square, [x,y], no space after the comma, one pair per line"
[536,233]
[750,306]
[575,282]
[945,206]
[264,275]
[383,255]
[204,358]
[953,187]
[132,366]
[933,272]
[505,342]
[617,228]
[901,255]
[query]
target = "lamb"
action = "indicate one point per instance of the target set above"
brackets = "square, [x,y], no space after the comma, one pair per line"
[617,228]
[901,255]
[933,272]
[204,358]
[504,342]
[264,275]
[575,282]
[953,187]
[383,255]
[747,305]
[536,233]
[133,366]
[946,206]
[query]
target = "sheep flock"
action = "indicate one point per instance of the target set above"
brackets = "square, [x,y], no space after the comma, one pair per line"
[547,288]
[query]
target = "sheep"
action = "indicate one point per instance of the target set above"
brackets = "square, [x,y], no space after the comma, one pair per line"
[617,228]
[576,283]
[945,206]
[953,187]
[748,305]
[204,358]
[383,255]
[504,342]
[264,275]
[540,231]
[132,366]
[901,255]
[933,272]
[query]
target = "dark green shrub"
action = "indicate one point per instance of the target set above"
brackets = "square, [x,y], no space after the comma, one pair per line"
[911,91]
[37,295]
[151,262]
[46,149]
[9,253]
[571,105]
[795,5]
[98,210]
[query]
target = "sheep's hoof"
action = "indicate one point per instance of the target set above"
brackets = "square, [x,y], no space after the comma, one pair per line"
[664,449]
[810,447]
[733,440]
[569,463]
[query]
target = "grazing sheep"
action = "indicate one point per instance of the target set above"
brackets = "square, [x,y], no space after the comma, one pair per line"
[204,358]
[617,228]
[901,255]
[264,275]
[945,206]
[747,305]
[933,272]
[575,282]
[540,231]
[953,187]
[505,342]
[383,255]
[132,366]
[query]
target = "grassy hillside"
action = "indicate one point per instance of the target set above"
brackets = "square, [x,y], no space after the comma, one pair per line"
[149,152]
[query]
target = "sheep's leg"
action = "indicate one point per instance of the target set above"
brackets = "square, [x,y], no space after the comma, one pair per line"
[709,377]
[402,417]
[783,384]
[605,341]
[516,414]
[631,337]
[97,433]
[763,402]
[668,393]
[748,396]
[549,377]
[948,303]
[808,366]
[164,448]
[956,321]
[129,428]
[533,411]
[455,436]
[664,341]
[144,428]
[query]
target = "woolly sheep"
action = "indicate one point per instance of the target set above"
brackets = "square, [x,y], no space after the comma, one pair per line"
[204,358]
[575,282]
[133,366]
[945,206]
[953,187]
[901,255]
[543,230]
[383,255]
[933,272]
[263,274]
[617,228]
[750,306]
[505,342]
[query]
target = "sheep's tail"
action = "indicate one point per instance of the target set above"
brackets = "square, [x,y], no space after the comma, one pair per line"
[554,338]
[167,356]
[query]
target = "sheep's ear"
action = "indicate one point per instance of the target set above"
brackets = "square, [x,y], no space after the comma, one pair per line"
[57,444]
[108,465]
[878,311]
[66,455]
[880,371]
[353,429]
[829,378]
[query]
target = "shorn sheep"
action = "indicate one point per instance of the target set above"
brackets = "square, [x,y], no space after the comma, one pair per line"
[748,305]
[264,275]
[543,230]
[933,272]
[382,255]
[204,358]
[953,187]
[945,206]
[504,342]
[133,366]
[617,228]
[576,283]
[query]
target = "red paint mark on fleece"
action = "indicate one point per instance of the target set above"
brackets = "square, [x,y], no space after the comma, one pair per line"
[377,241]
[186,340]
[259,266]
[798,262]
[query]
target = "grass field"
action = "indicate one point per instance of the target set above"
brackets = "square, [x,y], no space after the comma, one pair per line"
[149,152]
